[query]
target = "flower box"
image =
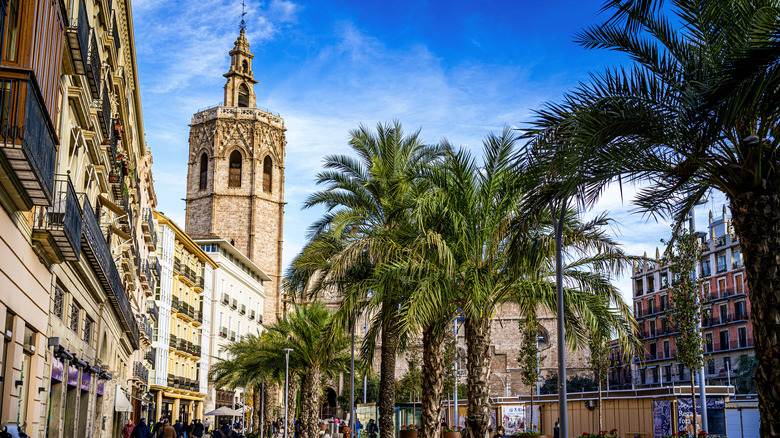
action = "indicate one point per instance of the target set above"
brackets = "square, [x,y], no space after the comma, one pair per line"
[408,433]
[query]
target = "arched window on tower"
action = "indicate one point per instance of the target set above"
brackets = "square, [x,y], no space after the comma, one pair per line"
[267,174]
[245,67]
[204,172]
[243,96]
[234,176]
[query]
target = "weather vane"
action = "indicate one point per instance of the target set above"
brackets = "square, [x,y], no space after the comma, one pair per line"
[242,26]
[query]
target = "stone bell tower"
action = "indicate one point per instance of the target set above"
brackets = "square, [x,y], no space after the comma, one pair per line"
[235,178]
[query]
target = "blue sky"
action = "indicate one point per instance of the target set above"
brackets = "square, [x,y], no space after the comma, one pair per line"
[455,69]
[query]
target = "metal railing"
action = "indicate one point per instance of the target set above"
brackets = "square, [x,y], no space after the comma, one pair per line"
[27,138]
[99,256]
[62,221]
[140,371]
[151,355]
[94,67]
[251,314]
[176,264]
[153,310]
[175,303]
[117,37]
[78,39]
[105,111]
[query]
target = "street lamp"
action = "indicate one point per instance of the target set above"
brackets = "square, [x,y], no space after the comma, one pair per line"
[262,408]
[352,381]
[286,387]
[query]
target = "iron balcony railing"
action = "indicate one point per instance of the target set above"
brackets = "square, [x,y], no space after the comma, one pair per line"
[175,303]
[78,38]
[140,371]
[173,341]
[151,356]
[243,309]
[99,256]
[251,314]
[62,221]
[116,35]
[105,110]
[145,326]
[176,264]
[94,67]
[153,310]
[27,140]
[157,267]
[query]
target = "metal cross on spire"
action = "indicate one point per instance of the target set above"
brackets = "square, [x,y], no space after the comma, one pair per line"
[242,26]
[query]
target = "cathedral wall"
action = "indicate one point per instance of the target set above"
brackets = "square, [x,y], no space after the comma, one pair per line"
[231,220]
[198,221]
[265,251]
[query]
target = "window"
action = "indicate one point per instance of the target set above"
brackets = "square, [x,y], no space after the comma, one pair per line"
[267,174]
[723,311]
[74,317]
[680,372]
[234,177]
[724,340]
[742,337]
[667,373]
[710,366]
[739,309]
[706,271]
[244,67]
[664,302]
[12,34]
[653,350]
[59,301]
[721,263]
[708,342]
[738,287]
[651,306]
[243,96]
[87,329]
[737,260]
[652,328]
[204,172]
[665,325]
[727,364]
[666,349]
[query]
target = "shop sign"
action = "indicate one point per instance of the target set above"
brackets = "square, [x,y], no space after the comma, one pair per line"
[73,376]
[86,380]
[57,370]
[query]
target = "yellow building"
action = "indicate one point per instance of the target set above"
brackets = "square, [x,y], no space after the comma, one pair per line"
[177,382]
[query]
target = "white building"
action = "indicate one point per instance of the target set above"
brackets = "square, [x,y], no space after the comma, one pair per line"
[236,304]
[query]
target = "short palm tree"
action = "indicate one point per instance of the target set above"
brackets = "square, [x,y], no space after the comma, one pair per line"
[368,200]
[490,252]
[314,356]
[696,112]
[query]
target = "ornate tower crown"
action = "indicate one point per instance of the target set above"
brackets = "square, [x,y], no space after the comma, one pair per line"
[239,89]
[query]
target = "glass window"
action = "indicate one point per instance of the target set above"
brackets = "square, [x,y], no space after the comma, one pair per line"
[59,302]
[87,330]
[12,34]
[74,317]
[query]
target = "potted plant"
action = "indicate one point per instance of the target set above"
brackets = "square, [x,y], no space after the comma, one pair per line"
[409,431]
[450,432]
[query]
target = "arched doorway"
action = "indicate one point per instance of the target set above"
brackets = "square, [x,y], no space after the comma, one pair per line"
[329,406]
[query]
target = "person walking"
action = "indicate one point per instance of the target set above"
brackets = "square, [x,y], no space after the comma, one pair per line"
[141,430]
[556,430]
[127,430]
[197,429]
[372,428]
[207,425]
[166,430]
[224,431]
[177,428]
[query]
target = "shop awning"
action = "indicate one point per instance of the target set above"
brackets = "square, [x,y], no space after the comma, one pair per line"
[121,403]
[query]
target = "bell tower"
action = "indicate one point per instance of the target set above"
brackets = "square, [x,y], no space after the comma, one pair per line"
[235,181]
[240,86]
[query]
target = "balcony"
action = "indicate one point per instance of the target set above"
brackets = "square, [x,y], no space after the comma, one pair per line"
[147,226]
[94,69]
[233,336]
[225,299]
[252,314]
[737,264]
[78,39]
[175,303]
[99,256]
[223,332]
[144,272]
[243,309]
[105,112]
[28,141]
[153,310]
[234,304]
[151,356]
[173,342]
[176,265]
[140,372]
[58,228]
[144,326]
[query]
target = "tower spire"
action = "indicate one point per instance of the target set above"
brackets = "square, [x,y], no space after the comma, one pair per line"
[242,26]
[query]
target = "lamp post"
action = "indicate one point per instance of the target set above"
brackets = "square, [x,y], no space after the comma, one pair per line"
[286,387]
[562,408]
[365,376]
[352,382]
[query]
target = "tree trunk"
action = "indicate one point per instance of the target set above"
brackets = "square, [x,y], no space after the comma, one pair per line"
[601,418]
[693,405]
[478,366]
[268,407]
[310,400]
[531,426]
[433,382]
[756,218]
[293,399]
[387,379]
[257,394]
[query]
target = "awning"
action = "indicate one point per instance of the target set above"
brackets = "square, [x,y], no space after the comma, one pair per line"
[224,411]
[121,403]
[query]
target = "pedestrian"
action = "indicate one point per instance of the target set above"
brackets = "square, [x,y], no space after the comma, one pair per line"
[166,430]
[372,428]
[556,430]
[224,431]
[158,426]
[197,429]
[207,425]
[500,432]
[297,428]
[141,430]
[128,429]
[177,428]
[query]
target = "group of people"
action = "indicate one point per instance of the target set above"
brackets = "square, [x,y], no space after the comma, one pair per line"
[164,429]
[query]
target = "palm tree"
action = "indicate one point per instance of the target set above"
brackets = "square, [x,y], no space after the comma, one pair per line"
[366,226]
[314,356]
[491,252]
[696,112]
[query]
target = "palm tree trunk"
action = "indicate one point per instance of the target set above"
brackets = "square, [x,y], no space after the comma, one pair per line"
[387,379]
[257,394]
[292,399]
[433,383]
[601,418]
[310,400]
[268,406]
[756,218]
[478,366]
[531,426]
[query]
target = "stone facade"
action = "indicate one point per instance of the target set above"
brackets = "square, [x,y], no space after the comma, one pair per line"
[235,185]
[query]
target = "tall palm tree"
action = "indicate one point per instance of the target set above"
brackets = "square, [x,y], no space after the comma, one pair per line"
[314,356]
[696,112]
[368,200]
[491,252]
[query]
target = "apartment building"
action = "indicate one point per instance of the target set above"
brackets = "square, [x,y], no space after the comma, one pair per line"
[75,177]
[179,377]
[726,328]
[236,309]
